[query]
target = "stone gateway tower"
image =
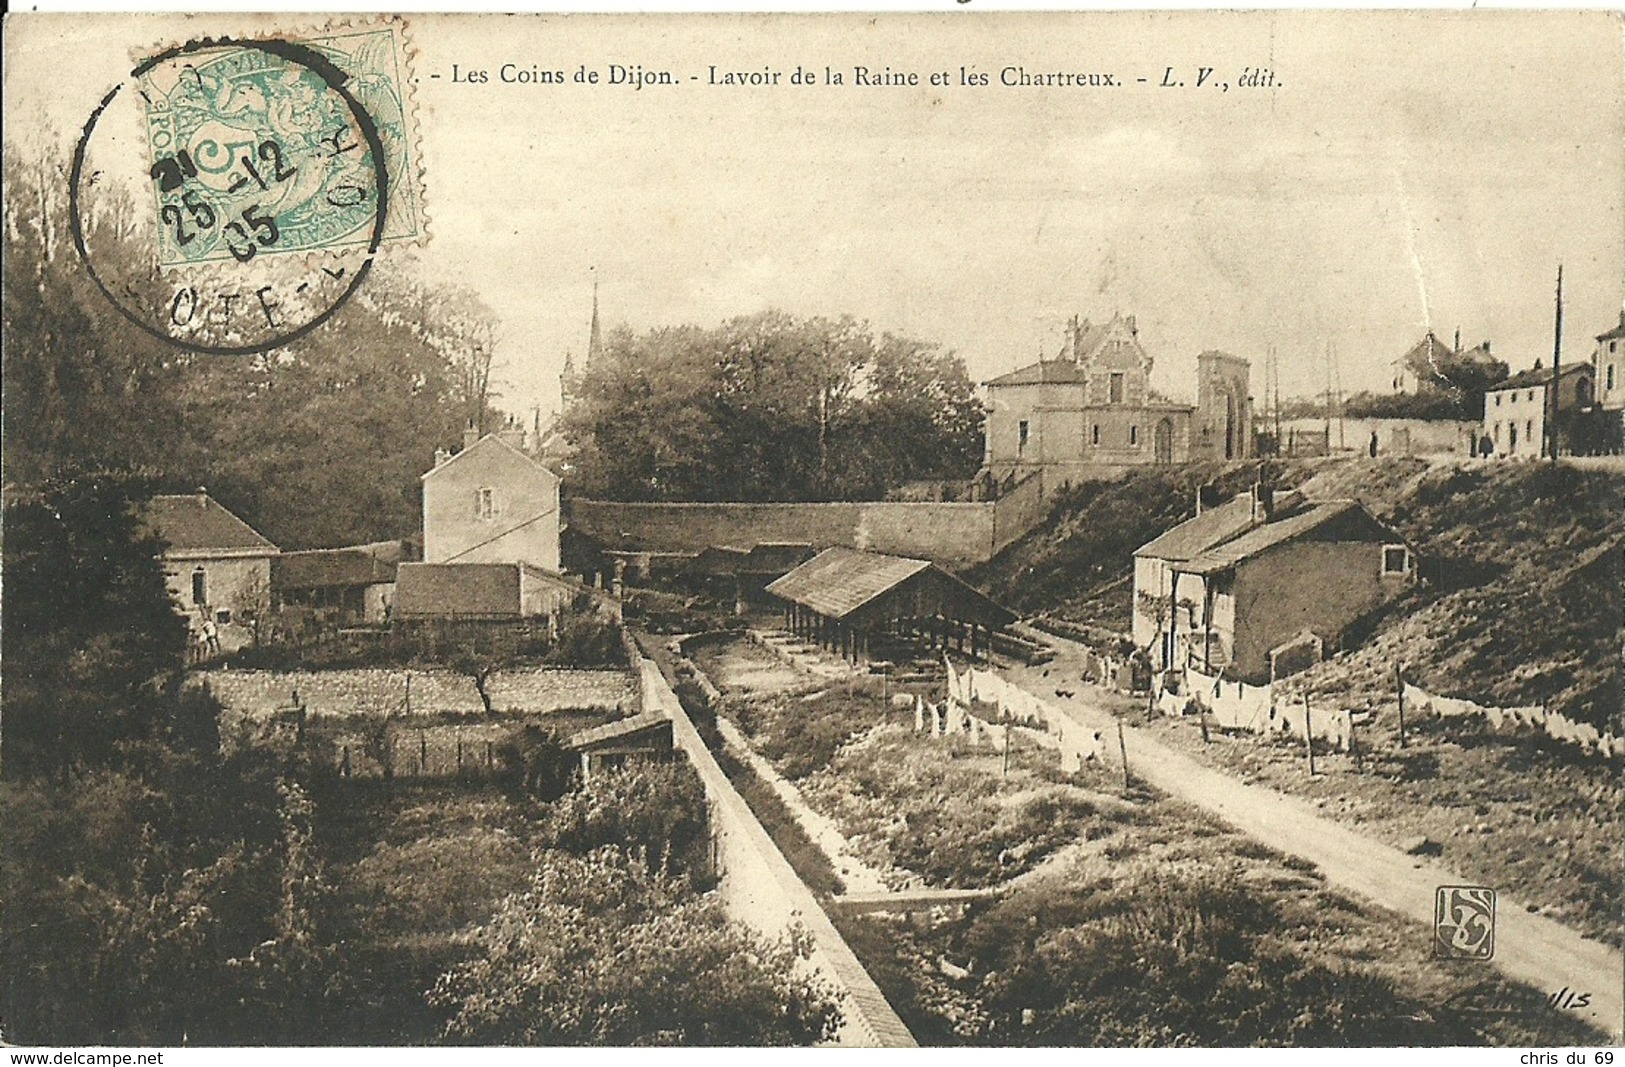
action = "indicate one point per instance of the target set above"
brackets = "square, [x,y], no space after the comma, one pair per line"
[1224,408]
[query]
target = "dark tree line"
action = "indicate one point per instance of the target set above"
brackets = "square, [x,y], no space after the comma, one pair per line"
[320,443]
[772,407]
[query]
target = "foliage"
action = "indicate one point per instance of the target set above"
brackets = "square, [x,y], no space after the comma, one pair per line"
[321,444]
[772,407]
[801,737]
[604,950]
[89,631]
[654,811]
[536,764]
[1429,405]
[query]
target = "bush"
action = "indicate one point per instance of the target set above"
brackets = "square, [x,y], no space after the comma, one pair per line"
[655,811]
[603,950]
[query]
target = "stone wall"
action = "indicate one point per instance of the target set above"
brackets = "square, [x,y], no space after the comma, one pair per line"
[257,694]
[954,535]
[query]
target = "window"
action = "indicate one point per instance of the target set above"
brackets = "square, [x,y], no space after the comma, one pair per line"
[485,505]
[1134,435]
[200,587]
[1512,437]
[1021,436]
[1395,559]
[1610,372]
[1094,435]
[1531,396]
[1529,429]
[1497,399]
[1497,435]
[1115,387]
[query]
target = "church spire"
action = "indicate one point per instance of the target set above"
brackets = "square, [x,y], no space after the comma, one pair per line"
[595,340]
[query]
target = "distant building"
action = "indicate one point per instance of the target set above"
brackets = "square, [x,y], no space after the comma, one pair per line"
[1515,411]
[1421,370]
[216,566]
[355,584]
[491,503]
[1090,411]
[1258,574]
[1609,394]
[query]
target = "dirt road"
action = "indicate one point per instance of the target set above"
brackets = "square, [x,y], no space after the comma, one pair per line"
[1528,947]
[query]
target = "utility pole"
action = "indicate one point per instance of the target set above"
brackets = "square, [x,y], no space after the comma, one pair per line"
[1308,733]
[1557,356]
[1275,377]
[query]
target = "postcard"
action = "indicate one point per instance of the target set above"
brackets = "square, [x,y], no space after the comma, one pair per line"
[945,529]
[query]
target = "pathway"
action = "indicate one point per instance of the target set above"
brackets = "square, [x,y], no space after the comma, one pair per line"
[760,887]
[1528,947]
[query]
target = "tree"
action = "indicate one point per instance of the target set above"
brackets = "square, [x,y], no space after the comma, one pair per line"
[90,633]
[602,950]
[772,407]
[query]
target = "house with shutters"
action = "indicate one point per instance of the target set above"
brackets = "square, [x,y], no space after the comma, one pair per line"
[491,503]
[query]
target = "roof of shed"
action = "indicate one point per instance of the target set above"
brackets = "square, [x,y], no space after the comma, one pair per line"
[839,581]
[647,721]
[480,590]
[317,568]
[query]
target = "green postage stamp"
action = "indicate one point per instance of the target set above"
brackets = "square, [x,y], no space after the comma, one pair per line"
[266,147]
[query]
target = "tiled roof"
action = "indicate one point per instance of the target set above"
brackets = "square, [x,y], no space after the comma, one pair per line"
[470,590]
[838,581]
[322,567]
[196,522]
[718,559]
[620,728]
[1227,555]
[1201,532]
[1215,526]
[1044,372]
[1538,376]
[776,557]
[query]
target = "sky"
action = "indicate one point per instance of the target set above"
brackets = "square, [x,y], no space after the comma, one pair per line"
[1403,172]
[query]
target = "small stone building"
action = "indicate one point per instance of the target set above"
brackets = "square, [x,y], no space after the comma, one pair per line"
[215,564]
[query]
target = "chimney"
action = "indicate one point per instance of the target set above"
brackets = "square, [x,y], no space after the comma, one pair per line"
[441,455]
[202,497]
[1537,364]
[471,434]
[1133,330]
[1486,347]
[1458,340]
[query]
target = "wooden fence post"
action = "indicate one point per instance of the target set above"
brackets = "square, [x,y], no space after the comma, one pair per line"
[1122,751]
[1308,733]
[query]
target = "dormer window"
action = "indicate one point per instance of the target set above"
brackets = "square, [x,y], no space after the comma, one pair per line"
[1396,559]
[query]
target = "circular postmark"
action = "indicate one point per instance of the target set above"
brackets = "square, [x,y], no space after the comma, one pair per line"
[229,196]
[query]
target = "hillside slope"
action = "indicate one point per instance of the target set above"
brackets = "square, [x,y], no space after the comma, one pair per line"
[1521,601]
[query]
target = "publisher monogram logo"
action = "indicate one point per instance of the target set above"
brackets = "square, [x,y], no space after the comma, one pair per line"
[1464,922]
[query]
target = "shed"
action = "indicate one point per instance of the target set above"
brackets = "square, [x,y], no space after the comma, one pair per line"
[846,600]
[647,733]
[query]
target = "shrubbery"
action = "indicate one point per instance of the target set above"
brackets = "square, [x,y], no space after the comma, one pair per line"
[603,949]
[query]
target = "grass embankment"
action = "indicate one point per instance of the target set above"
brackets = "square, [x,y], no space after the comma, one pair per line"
[1126,918]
